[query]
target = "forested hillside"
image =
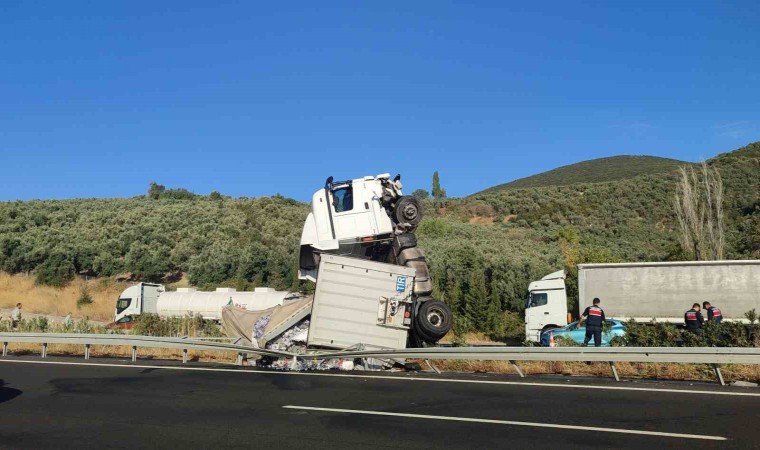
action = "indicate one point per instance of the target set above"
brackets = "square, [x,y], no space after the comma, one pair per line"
[483,249]
[596,171]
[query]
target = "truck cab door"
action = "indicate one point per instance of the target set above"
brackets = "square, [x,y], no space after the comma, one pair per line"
[352,212]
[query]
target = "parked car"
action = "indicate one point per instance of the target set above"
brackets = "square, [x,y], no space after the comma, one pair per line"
[612,328]
[125,323]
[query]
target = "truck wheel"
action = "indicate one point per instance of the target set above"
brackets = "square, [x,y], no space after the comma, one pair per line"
[433,320]
[408,210]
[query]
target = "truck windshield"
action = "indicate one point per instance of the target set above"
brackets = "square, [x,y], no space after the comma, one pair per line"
[122,304]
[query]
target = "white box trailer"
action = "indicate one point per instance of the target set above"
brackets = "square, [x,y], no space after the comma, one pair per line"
[355,301]
[361,302]
[659,291]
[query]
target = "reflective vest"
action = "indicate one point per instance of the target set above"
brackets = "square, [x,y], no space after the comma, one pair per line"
[714,314]
[594,316]
[692,320]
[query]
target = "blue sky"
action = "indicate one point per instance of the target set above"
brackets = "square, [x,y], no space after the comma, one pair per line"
[97,99]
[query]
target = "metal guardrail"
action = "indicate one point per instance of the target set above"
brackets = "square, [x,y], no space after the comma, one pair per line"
[133,341]
[713,356]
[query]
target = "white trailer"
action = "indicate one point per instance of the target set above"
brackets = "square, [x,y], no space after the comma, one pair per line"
[659,291]
[151,298]
[355,302]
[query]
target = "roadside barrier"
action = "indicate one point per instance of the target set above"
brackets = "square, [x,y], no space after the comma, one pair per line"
[713,356]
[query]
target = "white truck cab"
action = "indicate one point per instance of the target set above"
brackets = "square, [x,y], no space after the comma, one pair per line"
[137,299]
[349,217]
[546,306]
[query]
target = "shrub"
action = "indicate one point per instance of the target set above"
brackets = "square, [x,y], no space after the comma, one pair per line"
[195,326]
[57,270]
[85,298]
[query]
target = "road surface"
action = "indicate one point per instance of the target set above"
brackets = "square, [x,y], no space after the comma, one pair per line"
[66,403]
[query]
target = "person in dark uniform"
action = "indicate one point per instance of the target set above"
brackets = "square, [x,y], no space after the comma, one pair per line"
[594,316]
[693,319]
[713,313]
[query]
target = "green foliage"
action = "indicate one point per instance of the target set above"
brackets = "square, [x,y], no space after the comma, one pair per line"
[158,191]
[509,328]
[725,334]
[155,190]
[85,298]
[595,171]
[438,192]
[194,326]
[57,270]
[421,194]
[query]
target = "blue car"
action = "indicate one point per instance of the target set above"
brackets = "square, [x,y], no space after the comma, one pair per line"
[614,328]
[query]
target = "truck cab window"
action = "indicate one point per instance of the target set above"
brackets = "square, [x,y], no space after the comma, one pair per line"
[122,304]
[538,299]
[343,199]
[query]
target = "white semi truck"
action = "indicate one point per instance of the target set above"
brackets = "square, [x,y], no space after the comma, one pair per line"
[659,291]
[152,298]
[372,281]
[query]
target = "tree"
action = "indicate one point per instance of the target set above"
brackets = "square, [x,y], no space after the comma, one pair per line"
[699,210]
[155,190]
[439,194]
[57,270]
[421,194]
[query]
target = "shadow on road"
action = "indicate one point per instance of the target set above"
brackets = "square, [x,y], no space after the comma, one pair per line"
[7,393]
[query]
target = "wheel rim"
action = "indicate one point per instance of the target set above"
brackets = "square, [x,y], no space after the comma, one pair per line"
[436,317]
[410,212]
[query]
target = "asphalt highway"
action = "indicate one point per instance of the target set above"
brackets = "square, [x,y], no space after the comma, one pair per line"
[69,403]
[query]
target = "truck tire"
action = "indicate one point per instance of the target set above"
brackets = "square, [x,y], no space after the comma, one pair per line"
[408,210]
[433,320]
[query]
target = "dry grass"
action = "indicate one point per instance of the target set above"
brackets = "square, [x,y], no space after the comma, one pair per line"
[694,372]
[481,220]
[60,301]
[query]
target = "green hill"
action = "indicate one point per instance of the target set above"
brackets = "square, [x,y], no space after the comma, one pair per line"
[483,249]
[596,171]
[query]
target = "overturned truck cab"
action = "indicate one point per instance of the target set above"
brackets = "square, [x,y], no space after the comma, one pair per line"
[370,219]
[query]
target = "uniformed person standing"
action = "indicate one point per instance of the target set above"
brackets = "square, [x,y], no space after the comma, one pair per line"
[594,316]
[693,319]
[713,313]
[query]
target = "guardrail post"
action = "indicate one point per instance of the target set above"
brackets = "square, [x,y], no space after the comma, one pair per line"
[184,356]
[44,349]
[294,363]
[134,353]
[716,368]
[517,368]
[614,370]
[86,351]
[5,349]
[427,361]
[239,361]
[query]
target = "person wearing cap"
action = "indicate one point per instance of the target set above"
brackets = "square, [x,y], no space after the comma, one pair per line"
[594,316]
[713,314]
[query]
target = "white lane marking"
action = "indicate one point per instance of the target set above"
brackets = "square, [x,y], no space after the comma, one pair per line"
[393,378]
[512,422]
